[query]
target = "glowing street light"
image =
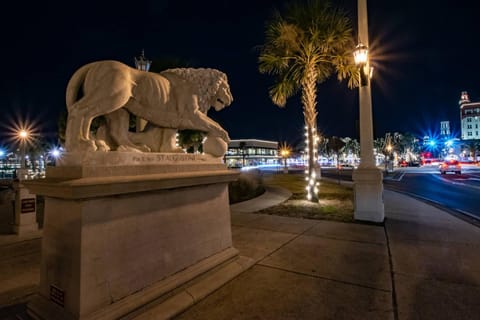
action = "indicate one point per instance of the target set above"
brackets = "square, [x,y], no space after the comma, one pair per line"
[23,134]
[55,153]
[360,55]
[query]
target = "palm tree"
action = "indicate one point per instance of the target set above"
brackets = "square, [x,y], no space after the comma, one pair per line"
[303,48]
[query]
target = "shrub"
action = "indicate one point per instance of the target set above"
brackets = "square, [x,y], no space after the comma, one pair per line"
[249,185]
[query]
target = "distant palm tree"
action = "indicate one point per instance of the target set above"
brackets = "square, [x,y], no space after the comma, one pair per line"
[336,145]
[352,146]
[472,146]
[303,48]
[191,140]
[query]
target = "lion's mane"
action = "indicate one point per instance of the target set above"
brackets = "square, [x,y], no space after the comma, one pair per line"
[207,81]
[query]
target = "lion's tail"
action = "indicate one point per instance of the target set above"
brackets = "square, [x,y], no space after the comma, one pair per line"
[74,85]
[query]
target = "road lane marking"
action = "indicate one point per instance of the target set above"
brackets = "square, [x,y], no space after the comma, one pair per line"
[468,214]
[455,182]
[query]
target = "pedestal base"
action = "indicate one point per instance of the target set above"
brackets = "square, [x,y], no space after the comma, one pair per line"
[164,299]
[114,244]
[368,190]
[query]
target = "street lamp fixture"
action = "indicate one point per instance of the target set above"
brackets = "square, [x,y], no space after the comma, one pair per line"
[360,56]
[142,63]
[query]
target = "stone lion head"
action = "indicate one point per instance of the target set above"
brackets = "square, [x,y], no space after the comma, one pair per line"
[212,85]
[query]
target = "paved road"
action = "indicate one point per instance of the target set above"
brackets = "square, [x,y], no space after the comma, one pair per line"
[455,192]
[459,193]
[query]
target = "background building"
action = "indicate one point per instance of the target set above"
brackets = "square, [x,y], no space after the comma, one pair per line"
[469,118]
[251,152]
[444,129]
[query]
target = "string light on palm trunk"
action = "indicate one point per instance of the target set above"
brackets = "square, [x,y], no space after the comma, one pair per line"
[310,174]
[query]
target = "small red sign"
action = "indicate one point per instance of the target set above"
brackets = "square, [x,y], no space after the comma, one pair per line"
[27,205]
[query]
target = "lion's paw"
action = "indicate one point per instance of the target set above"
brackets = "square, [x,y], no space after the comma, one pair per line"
[143,148]
[83,146]
[102,146]
[177,150]
[124,148]
[215,146]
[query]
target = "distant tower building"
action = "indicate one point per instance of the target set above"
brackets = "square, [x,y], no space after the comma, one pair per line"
[444,129]
[469,118]
[142,63]
[464,98]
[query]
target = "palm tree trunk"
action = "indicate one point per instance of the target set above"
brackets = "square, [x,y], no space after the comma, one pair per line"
[309,97]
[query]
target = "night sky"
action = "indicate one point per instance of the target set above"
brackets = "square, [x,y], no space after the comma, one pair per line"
[424,52]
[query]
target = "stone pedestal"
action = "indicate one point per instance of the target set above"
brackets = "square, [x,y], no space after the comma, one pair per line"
[7,208]
[117,237]
[25,210]
[368,189]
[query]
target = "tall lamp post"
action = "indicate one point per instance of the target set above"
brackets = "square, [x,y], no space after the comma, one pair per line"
[2,163]
[143,64]
[367,178]
[285,153]
[23,136]
[388,161]
[25,202]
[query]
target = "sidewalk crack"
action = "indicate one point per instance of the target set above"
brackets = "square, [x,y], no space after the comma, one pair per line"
[392,275]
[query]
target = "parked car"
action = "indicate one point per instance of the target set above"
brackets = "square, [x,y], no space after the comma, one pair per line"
[414,164]
[345,166]
[450,166]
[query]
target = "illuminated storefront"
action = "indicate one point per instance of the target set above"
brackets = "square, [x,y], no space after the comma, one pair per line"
[251,152]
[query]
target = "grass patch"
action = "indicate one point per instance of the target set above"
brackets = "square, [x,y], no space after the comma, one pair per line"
[336,201]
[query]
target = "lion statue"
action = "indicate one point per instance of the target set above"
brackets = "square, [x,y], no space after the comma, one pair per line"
[175,99]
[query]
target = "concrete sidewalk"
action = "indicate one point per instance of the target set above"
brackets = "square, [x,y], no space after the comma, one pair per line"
[422,264]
